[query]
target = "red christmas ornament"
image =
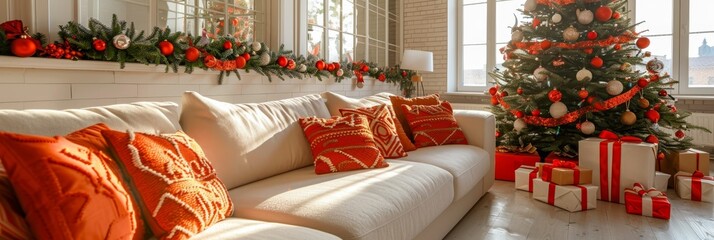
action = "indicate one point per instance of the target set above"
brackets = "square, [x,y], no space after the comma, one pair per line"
[518,114]
[23,46]
[492,91]
[588,51]
[596,62]
[654,77]
[240,62]
[592,35]
[404,73]
[291,64]
[210,61]
[166,48]
[99,45]
[364,68]
[536,22]
[282,61]
[519,91]
[603,13]
[673,108]
[498,134]
[381,77]
[643,42]
[330,67]
[246,56]
[652,139]
[617,46]
[227,45]
[583,94]
[660,156]
[555,95]
[337,65]
[320,65]
[679,134]
[616,15]
[535,112]
[642,82]
[545,44]
[652,115]
[494,100]
[663,93]
[504,93]
[591,99]
[192,54]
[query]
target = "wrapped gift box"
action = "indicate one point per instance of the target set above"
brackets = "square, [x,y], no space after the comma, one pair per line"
[555,156]
[572,198]
[696,187]
[525,176]
[565,173]
[661,181]
[618,163]
[651,202]
[508,162]
[690,160]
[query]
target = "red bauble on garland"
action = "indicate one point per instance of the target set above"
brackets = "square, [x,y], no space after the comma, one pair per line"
[240,62]
[616,15]
[642,82]
[603,13]
[210,61]
[643,42]
[166,48]
[504,94]
[291,64]
[663,93]
[320,65]
[282,61]
[494,100]
[555,95]
[364,68]
[519,91]
[492,91]
[652,139]
[23,46]
[227,45]
[679,134]
[404,73]
[596,62]
[382,77]
[99,45]
[246,56]
[583,94]
[518,114]
[592,35]
[337,65]
[535,112]
[192,54]
[330,67]
[652,115]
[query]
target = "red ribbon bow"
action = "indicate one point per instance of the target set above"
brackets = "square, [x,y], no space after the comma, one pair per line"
[606,134]
[564,164]
[13,29]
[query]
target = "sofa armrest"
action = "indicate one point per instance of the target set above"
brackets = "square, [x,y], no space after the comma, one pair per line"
[480,128]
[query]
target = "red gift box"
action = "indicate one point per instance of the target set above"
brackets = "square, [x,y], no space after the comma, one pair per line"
[508,162]
[554,156]
[651,203]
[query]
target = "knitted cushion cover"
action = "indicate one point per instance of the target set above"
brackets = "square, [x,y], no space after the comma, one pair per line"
[398,101]
[434,125]
[381,123]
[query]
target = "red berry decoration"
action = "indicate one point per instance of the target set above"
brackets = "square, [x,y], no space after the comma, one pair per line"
[596,62]
[320,65]
[643,42]
[382,77]
[166,48]
[99,45]
[555,95]
[616,15]
[291,64]
[492,91]
[404,73]
[617,46]
[592,35]
[679,134]
[246,56]
[23,46]
[642,82]
[240,62]
[227,45]
[545,44]
[652,139]
[583,94]
[210,61]
[663,93]
[535,112]
[518,114]
[282,61]
[192,54]
[652,115]
[494,100]
[654,77]
[519,91]
[603,13]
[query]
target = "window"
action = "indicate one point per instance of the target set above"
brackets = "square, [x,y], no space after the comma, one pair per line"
[482,32]
[354,30]
[686,51]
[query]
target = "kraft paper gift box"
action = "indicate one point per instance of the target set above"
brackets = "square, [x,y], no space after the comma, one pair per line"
[696,187]
[525,176]
[661,181]
[565,173]
[508,162]
[617,164]
[650,203]
[691,160]
[572,198]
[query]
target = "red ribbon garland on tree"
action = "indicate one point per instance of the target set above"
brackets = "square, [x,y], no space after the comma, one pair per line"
[535,47]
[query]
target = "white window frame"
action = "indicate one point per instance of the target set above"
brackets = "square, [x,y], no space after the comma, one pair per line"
[490,45]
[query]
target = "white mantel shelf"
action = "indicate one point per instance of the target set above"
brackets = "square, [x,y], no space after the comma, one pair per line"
[65,64]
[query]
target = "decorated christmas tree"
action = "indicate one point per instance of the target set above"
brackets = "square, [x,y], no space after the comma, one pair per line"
[574,68]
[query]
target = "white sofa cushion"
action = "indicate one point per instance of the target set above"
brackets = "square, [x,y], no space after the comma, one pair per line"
[335,102]
[245,229]
[468,164]
[252,141]
[148,117]
[396,202]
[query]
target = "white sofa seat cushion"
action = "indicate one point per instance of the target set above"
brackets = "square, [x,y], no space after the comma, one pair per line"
[148,117]
[396,202]
[245,229]
[468,164]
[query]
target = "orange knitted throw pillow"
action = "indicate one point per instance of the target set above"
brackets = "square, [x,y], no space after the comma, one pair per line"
[398,101]
[341,144]
[12,218]
[381,123]
[66,189]
[434,125]
[176,185]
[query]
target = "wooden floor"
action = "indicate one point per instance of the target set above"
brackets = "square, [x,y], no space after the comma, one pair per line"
[506,213]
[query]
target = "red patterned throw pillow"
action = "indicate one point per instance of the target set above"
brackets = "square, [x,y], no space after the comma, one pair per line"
[176,185]
[433,125]
[381,123]
[341,144]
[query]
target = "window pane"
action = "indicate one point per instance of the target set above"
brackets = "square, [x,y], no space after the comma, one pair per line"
[348,17]
[474,60]
[393,57]
[314,40]
[700,16]
[361,19]
[333,46]
[473,1]
[136,11]
[661,48]
[373,55]
[334,16]
[394,6]
[348,47]
[394,33]
[474,33]
[657,15]
[360,47]
[381,32]
[315,12]
[373,24]
[701,60]
[505,20]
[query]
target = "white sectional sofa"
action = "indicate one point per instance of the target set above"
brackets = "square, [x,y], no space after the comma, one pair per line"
[261,155]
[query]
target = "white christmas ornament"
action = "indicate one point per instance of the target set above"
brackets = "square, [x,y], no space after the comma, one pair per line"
[530,5]
[516,36]
[360,84]
[540,74]
[340,72]
[558,109]
[302,68]
[121,41]
[556,18]
[256,46]
[519,125]
[614,87]
[264,59]
[587,127]
[584,17]
[571,34]
[584,75]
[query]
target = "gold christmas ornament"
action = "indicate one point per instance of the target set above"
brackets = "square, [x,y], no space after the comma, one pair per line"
[584,75]
[643,103]
[556,18]
[587,127]
[571,34]
[628,118]
[614,87]
[585,17]
[540,74]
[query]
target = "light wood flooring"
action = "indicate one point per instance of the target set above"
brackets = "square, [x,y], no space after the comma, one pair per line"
[507,213]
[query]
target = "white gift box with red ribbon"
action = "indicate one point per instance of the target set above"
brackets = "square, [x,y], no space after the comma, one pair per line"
[569,197]
[661,181]
[618,163]
[650,202]
[694,186]
[525,176]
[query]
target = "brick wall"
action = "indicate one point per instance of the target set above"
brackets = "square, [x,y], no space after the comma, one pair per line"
[425,28]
